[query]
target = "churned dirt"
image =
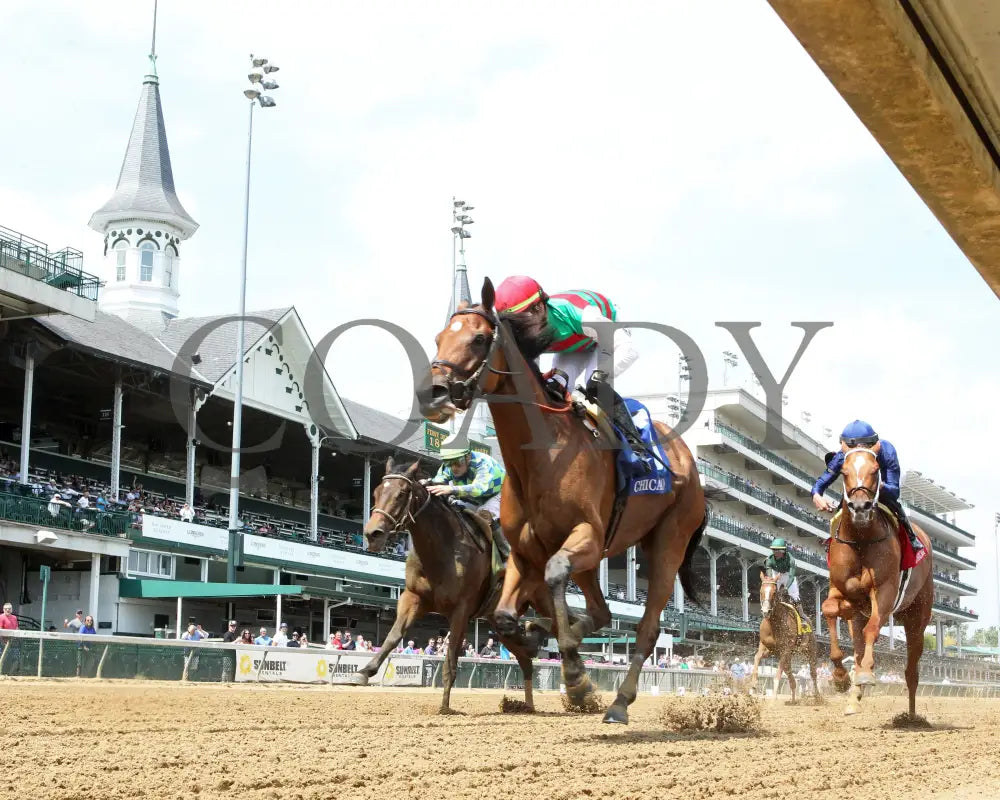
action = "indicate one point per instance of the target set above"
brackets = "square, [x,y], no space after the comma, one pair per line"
[75,739]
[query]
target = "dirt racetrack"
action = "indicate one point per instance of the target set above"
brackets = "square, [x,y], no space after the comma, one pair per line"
[87,740]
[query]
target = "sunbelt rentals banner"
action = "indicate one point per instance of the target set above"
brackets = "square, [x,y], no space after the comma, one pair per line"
[292,665]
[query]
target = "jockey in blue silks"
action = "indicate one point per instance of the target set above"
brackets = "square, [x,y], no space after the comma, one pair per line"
[861,434]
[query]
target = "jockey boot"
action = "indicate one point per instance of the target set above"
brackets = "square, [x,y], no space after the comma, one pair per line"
[556,384]
[503,547]
[600,392]
[914,541]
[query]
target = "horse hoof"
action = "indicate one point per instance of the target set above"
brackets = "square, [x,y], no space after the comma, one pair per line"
[864,679]
[539,624]
[506,624]
[851,711]
[616,714]
[359,679]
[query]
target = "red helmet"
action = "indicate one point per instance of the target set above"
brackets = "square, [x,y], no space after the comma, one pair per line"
[517,293]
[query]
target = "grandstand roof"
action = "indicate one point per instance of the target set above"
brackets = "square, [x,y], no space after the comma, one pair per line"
[216,349]
[109,335]
[377,426]
[930,496]
[146,181]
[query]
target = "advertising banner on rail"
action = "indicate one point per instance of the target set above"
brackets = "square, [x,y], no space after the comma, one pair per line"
[290,665]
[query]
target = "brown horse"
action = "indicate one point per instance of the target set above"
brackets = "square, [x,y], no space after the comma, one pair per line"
[558,496]
[865,580]
[779,635]
[448,572]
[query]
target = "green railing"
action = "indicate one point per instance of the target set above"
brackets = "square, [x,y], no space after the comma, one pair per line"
[731,526]
[33,510]
[771,499]
[20,253]
[942,521]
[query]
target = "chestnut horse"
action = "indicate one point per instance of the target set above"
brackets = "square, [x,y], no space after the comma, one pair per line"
[865,580]
[558,496]
[779,635]
[447,572]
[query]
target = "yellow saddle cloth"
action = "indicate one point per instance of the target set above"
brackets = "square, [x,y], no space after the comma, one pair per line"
[801,622]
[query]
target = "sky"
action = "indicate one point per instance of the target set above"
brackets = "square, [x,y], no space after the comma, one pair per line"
[689,160]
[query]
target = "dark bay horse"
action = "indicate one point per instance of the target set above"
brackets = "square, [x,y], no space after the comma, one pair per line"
[865,580]
[447,572]
[557,499]
[779,635]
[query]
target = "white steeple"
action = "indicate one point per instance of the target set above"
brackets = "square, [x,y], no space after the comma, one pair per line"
[144,223]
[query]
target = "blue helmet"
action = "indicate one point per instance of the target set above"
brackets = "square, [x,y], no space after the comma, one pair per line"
[859,433]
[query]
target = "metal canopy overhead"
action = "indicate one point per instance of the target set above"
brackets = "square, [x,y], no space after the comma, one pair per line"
[133,587]
[920,491]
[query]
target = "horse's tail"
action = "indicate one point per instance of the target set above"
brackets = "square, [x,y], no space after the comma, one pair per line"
[686,571]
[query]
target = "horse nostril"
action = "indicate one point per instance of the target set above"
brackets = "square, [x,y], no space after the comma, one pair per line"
[439,394]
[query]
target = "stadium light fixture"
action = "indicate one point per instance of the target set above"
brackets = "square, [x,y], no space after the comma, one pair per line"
[261,66]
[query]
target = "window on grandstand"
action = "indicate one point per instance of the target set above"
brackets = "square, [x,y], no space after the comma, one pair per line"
[146,261]
[120,250]
[145,564]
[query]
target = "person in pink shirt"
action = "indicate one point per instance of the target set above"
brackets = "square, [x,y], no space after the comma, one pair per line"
[8,622]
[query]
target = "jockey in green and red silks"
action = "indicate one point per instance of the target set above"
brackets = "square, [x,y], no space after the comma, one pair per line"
[564,326]
[859,434]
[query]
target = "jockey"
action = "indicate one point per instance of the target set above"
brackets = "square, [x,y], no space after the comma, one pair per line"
[782,565]
[861,435]
[475,478]
[575,344]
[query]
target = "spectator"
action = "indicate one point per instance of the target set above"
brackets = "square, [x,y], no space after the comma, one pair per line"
[430,650]
[360,644]
[230,635]
[246,637]
[336,642]
[489,651]
[263,639]
[294,641]
[76,623]
[281,637]
[303,641]
[8,622]
[186,513]
[409,650]
[194,633]
[88,625]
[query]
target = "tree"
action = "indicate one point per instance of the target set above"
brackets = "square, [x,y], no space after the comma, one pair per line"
[985,637]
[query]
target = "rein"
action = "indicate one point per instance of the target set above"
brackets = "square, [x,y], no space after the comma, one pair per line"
[859,546]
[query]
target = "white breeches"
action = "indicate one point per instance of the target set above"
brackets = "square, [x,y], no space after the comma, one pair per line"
[793,587]
[493,506]
[579,365]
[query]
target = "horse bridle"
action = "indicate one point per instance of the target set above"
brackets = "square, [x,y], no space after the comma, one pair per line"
[409,515]
[465,390]
[874,495]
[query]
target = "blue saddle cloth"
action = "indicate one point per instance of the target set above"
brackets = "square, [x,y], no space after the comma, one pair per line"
[641,473]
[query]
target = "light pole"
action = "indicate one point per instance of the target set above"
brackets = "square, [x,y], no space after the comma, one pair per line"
[996,549]
[683,374]
[314,488]
[730,359]
[260,68]
[460,218]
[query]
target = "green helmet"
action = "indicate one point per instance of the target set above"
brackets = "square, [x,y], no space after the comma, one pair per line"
[778,544]
[454,453]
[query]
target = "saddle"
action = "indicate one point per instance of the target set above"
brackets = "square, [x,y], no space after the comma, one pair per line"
[802,624]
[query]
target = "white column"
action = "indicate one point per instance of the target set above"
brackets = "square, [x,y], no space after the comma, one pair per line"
[178,633]
[192,427]
[116,438]
[713,559]
[678,595]
[277,601]
[204,570]
[29,386]
[95,585]
[745,584]
[939,637]
[819,608]
[326,620]
[630,574]
[314,492]
[476,637]
[602,576]
[892,632]
[367,489]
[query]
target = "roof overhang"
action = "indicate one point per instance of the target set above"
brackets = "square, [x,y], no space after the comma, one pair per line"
[923,492]
[924,77]
[141,587]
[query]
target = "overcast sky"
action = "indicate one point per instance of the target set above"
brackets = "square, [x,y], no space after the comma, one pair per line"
[687,159]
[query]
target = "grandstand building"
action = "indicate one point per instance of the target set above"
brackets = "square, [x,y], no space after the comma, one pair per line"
[114,470]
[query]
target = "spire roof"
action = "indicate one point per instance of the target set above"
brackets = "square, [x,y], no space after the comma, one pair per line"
[146,181]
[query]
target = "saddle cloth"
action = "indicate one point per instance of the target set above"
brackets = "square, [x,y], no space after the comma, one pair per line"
[481,530]
[802,624]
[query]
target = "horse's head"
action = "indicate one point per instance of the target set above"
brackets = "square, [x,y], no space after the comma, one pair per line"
[398,498]
[768,592]
[862,483]
[466,349]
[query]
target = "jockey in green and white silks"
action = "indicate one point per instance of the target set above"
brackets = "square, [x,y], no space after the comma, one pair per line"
[782,565]
[475,478]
